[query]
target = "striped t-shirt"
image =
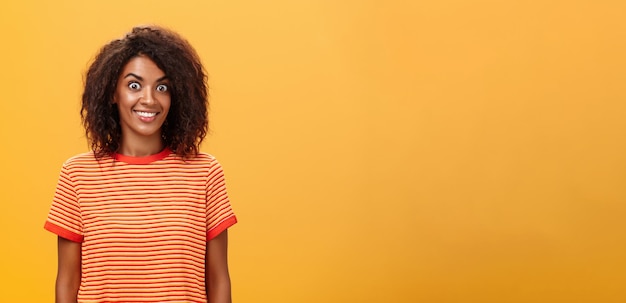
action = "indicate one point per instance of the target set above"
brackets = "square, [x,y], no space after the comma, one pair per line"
[143,223]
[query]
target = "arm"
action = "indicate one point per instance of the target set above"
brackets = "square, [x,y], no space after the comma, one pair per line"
[216,270]
[68,272]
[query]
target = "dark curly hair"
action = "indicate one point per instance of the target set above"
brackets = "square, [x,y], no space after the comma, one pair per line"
[186,124]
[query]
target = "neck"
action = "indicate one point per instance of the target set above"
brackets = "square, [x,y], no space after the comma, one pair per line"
[141,146]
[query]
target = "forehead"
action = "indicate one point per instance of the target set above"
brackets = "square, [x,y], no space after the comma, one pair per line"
[142,66]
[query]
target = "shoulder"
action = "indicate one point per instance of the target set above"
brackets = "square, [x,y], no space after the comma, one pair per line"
[205,162]
[82,157]
[202,159]
[199,161]
[87,159]
[207,157]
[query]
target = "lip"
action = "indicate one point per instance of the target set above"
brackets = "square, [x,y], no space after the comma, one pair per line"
[144,118]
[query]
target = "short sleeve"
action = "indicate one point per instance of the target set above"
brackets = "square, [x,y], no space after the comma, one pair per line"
[219,213]
[64,218]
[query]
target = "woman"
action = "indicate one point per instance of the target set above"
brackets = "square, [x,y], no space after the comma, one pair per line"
[143,217]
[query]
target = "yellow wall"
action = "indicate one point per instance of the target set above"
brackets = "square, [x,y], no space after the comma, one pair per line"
[376,151]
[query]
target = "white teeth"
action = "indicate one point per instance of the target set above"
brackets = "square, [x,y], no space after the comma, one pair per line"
[146,114]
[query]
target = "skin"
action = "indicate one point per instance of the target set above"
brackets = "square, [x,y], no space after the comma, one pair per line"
[143,87]
[216,268]
[68,272]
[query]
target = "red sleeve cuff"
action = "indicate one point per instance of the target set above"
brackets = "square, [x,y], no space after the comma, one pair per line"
[62,232]
[220,228]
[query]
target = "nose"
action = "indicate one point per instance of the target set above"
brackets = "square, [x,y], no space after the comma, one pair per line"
[148,97]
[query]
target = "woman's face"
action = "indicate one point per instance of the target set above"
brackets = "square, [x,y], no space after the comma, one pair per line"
[143,99]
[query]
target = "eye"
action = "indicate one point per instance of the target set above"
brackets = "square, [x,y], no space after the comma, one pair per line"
[134,85]
[162,88]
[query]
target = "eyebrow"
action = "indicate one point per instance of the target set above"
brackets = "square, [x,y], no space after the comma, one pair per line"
[141,78]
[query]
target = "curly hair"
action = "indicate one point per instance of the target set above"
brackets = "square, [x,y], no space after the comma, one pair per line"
[186,124]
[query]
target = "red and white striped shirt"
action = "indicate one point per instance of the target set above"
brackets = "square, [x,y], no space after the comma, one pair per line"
[143,223]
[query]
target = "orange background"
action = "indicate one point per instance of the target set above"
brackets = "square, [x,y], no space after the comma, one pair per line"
[376,151]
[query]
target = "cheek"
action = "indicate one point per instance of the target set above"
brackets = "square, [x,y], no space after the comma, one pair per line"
[122,99]
[167,104]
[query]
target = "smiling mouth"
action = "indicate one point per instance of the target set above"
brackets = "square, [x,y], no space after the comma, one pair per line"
[146,114]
